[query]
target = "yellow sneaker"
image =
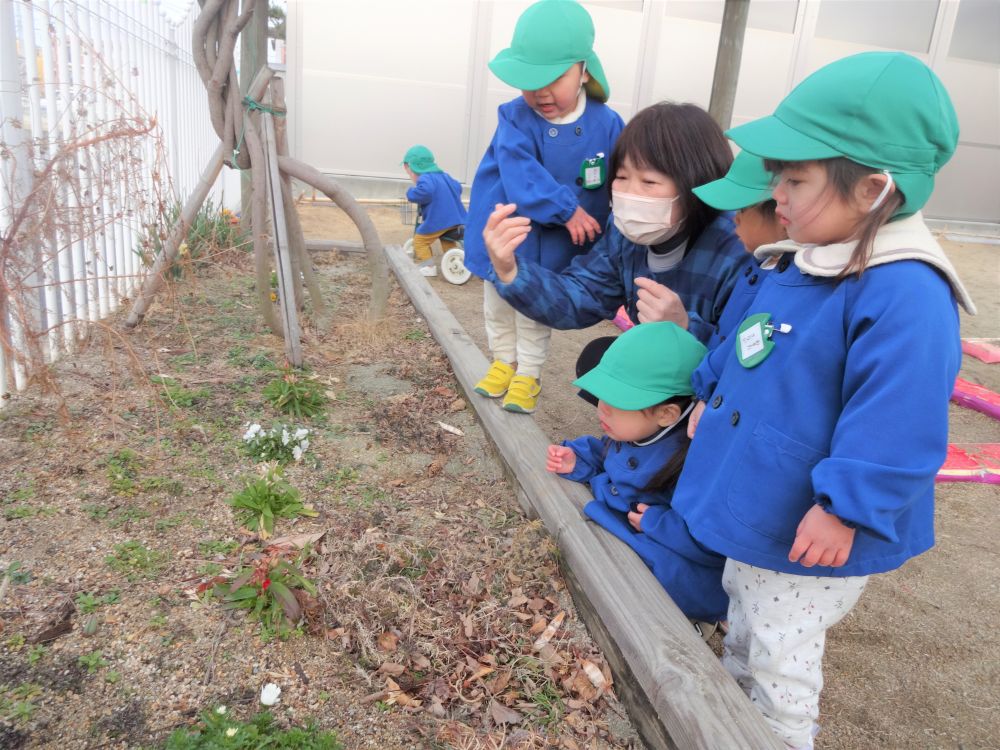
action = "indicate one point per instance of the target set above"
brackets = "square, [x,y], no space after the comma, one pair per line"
[494,384]
[522,394]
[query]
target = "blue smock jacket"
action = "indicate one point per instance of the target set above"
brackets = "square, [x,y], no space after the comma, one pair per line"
[849,410]
[536,164]
[618,474]
[744,290]
[439,196]
[595,285]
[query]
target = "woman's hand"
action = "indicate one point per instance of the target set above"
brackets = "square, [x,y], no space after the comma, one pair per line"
[658,303]
[502,235]
[560,459]
[821,539]
[582,227]
[635,516]
[694,418]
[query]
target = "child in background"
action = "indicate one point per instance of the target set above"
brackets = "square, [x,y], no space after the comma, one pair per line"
[643,387]
[814,465]
[547,155]
[439,196]
[746,189]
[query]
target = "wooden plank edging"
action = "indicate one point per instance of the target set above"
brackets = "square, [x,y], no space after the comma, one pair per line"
[675,689]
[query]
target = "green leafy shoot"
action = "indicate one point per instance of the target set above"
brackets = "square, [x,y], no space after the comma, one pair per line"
[295,395]
[262,500]
[217,729]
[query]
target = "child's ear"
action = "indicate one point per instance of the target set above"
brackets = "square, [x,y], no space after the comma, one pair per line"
[586,76]
[870,187]
[667,414]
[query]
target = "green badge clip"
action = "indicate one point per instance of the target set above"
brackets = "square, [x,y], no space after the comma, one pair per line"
[753,338]
[593,172]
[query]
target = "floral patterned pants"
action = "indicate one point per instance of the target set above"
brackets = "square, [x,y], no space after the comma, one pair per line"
[774,648]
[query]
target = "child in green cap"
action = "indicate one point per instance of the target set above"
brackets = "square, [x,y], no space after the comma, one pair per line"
[814,460]
[439,196]
[643,387]
[746,189]
[547,155]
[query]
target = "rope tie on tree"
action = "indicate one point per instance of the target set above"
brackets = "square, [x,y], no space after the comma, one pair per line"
[253,104]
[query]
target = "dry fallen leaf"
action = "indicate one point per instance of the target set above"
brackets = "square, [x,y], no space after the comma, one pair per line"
[549,632]
[503,715]
[594,674]
[388,641]
[392,668]
[449,428]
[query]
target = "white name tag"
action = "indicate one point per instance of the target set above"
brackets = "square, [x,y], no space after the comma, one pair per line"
[751,341]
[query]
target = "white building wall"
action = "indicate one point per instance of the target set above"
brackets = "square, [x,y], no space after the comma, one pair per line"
[369,78]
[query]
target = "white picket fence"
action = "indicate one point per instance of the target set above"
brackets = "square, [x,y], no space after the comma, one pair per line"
[104,126]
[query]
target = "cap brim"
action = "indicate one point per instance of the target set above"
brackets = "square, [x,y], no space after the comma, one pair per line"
[523,75]
[726,195]
[615,393]
[770,138]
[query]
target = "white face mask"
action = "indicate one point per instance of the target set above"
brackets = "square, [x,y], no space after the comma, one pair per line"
[644,221]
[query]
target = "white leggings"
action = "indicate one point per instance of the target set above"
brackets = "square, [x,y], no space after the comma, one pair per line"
[514,337]
[774,648]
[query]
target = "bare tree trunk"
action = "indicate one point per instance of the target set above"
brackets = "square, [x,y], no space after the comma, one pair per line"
[369,236]
[155,277]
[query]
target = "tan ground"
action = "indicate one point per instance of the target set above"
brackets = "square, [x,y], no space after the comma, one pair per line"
[916,664]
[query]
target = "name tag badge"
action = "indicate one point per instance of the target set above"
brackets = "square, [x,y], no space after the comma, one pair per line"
[753,339]
[593,172]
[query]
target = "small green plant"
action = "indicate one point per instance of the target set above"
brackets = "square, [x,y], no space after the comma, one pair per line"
[267,592]
[16,573]
[92,661]
[133,560]
[178,395]
[214,232]
[415,334]
[295,395]
[123,470]
[126,516]
[216,729]
[96,512]
[35,654]
[16,642]
[112,677]
[262,500]
[88,603]
[209,569]
[280,443]
[218,546]
[172,487]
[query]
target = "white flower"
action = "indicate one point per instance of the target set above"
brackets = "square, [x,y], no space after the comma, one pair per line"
[301,433]
[220,710]
[284,436]
[251,433]
[269,694]
[304,445]
[231,732]
[297,453]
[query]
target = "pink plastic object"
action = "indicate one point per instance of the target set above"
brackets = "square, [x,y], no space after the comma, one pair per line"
[976,397]
[972,462]
[986,350]
[621,319]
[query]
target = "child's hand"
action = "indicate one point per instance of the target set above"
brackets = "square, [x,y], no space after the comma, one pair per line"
[694,418]
[582,227]
[821,539]
[658,303]
[502,235]
[560,459]
[635,516]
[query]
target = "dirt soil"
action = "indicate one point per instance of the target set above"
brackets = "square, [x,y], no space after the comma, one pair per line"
[916,663]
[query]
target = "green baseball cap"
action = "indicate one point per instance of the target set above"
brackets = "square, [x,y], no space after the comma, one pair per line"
[645,366]
[746,184]
[420,160]
[886,110]
[549,37]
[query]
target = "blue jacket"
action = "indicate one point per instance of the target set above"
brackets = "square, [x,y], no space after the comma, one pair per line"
[439,196]
[617,474]
[536,164]
[596,284]
[849,410]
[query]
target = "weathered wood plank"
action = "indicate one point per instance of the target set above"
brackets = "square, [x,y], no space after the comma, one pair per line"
[674,687]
